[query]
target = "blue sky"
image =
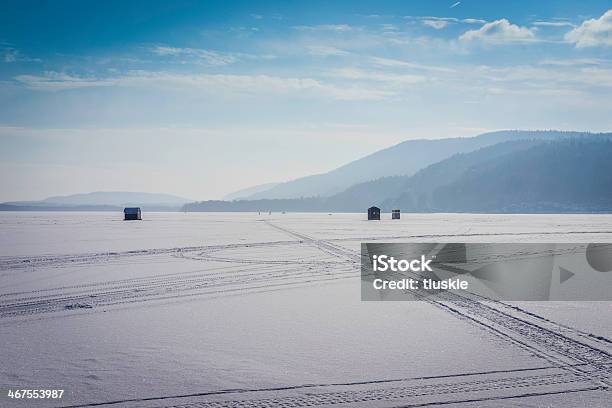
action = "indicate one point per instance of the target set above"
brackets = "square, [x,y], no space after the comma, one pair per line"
[201,98]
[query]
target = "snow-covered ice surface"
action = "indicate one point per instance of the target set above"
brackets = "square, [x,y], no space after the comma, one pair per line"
[229,309]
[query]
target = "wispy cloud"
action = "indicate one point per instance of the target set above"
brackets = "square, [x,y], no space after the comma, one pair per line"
[325,51]
[531,78]
[593,32]
[207,56]
[352,73]
[254,85]
[212,83]
[499,31]
[10,55]
[325,27]
[389,27]
[56,81]
[390,62]
[571,62]
[556,23]
[437,24]
[473,21]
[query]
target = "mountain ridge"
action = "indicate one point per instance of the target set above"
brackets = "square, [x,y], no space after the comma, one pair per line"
[440,187]
[402,159]
[102,201]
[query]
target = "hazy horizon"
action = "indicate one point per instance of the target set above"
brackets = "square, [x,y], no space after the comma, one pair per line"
[202,99]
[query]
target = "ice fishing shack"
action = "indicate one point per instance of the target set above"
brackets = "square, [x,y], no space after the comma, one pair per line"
[132,213]
[373,213]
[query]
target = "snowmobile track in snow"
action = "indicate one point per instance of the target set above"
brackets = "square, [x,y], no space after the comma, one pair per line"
[424,391]
[405,393]
[169,288]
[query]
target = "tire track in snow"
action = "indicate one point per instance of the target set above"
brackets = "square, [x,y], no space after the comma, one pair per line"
[107,294]
[405,393]
[26,262]
[8,263]
[243,275]
[446,389]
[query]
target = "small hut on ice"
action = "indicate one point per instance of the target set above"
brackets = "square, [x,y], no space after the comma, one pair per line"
[132,213]
[373,213]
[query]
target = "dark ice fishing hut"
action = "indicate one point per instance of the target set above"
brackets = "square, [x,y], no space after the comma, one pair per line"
[132,213]
[395,214]
[373,213]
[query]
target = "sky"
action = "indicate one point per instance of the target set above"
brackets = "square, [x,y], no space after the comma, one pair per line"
[201,98]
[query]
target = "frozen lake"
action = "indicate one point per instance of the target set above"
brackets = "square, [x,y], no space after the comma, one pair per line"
[180,308]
